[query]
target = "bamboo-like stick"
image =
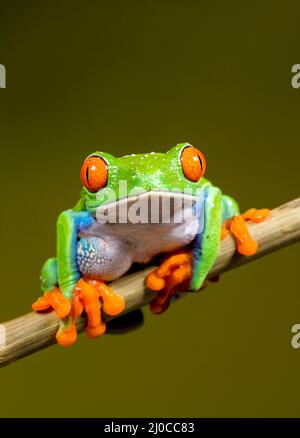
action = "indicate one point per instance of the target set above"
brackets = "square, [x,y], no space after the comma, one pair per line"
[34,331]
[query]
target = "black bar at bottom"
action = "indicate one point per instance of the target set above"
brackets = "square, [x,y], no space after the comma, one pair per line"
[150,426]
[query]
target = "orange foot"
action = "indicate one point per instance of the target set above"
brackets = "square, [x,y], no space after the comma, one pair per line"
[89,296]
[173,273]
[237,226]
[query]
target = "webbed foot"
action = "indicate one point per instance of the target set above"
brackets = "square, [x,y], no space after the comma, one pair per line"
[172,275]
[237,226]
[55,300]
[89,296]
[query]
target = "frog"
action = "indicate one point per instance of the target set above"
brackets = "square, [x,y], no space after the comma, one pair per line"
[132,210]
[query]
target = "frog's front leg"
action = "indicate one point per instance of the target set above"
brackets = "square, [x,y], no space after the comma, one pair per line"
[188,269]
[236,225]
[64,289]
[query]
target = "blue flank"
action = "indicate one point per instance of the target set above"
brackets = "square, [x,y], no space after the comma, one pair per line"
[199,210]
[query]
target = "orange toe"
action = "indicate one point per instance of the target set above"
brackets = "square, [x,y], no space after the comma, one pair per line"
[247,247]
[154,282]
[77,305]
[94,332]
[40,304]
[58,302]
[66,337]
[172,263]
[63,310]
[114,306]
[55,300]
[178,276]
[256,215]
[239,230]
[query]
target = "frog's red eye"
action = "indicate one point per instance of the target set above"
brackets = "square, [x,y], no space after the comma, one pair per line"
[193,163]
[93,173]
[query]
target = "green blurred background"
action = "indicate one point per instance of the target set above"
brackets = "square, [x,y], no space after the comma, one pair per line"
[129,77]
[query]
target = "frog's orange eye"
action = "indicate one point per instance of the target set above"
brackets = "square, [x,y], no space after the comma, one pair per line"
[193,163]
[93,173]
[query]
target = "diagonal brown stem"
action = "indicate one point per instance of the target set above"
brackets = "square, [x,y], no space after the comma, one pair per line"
[32,332]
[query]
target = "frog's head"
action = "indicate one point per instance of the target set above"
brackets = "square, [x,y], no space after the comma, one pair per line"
[108,179]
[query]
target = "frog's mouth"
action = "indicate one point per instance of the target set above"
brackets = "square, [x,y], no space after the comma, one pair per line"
[152,207]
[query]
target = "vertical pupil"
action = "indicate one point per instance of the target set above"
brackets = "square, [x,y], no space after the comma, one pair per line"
[87,174]
[201,164]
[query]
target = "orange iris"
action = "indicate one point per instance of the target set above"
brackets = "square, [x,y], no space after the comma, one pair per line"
[193,163]
[93,173]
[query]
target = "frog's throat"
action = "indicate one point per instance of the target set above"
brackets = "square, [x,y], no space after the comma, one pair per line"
[154,206]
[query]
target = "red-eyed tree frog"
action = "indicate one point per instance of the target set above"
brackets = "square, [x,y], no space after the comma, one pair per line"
[133,209]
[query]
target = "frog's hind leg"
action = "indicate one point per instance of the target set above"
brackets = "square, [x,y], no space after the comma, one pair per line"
[49,275]
[230,207]
[235,224]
